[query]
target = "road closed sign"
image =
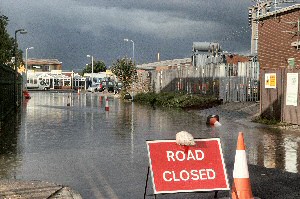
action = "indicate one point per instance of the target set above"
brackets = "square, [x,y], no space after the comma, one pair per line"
[176,168]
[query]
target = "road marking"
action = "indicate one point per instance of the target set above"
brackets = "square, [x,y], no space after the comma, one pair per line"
[90,171]
[105,184]
[95,190]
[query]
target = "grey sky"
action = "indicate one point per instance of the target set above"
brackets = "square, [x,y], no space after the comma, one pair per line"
[68,30]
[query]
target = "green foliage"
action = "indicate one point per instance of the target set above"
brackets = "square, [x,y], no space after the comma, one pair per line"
[6,42]
[176,100]
[99,66]
[263,120]
[125,71]
[146,98]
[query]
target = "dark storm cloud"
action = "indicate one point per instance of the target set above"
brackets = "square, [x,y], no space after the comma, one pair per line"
[70,29]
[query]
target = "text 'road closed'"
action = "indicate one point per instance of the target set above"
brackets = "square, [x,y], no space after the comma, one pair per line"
[177,168]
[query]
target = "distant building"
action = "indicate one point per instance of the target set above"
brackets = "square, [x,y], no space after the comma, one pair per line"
[43,65]
[279,38]
[234,59]
[165,65]
[206,53]
[56,79]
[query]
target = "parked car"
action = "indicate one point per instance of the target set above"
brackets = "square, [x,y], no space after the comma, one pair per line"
[94,88]
[118,87]
[108,86]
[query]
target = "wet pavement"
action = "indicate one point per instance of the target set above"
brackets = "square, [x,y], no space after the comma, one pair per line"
[103,154]
[35,189]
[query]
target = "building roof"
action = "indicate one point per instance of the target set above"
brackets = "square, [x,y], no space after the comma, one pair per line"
[32,61]
[279,11]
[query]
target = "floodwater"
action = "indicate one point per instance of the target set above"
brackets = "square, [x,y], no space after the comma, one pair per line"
[103,154]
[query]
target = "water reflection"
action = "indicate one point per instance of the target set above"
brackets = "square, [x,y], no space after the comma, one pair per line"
[87,148]
[279,150]
[10,157]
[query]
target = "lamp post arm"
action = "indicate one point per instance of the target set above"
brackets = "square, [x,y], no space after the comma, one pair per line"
[26,59]
[92,68]
[15,46]
[132,51]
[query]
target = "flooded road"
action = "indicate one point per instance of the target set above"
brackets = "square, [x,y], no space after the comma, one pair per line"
[103,154]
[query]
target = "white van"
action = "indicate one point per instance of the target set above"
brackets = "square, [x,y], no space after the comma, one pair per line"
[38,83]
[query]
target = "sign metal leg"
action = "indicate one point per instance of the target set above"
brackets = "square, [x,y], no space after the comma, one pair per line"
[146,183]
[216,194]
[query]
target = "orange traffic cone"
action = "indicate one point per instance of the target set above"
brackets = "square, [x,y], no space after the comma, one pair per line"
[106,105]
[214,122]
[241,188]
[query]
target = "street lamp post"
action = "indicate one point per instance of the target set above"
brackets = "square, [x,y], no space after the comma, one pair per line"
[21,31]
[132,48]
[132,130]
[92,67]
[26,64]
[132,62]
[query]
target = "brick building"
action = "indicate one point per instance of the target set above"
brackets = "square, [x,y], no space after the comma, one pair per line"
[279,38]
[235,59]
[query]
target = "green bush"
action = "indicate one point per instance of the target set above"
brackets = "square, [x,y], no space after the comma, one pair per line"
[176,100]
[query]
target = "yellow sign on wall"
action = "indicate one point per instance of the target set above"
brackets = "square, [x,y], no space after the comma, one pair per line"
[270,80]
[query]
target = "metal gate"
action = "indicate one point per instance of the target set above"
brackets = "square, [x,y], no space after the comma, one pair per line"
[240,82]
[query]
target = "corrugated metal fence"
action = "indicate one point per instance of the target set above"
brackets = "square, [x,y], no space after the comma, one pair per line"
[228,82]
[274,100]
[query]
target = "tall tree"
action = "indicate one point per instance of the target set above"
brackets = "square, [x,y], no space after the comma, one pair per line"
[125,71]
[99,66]
[6,42]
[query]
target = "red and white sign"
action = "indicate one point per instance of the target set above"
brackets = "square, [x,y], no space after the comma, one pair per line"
[176,168]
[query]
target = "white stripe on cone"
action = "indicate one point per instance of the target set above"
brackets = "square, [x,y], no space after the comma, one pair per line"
[240,165]
[217,124]
[106,105]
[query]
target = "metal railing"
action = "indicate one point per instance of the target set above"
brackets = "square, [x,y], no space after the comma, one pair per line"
[10,90]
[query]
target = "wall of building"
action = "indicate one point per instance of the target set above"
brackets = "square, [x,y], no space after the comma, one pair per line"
[277,102]
[276,32]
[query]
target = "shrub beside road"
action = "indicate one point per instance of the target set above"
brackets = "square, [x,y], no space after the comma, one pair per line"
[176,100]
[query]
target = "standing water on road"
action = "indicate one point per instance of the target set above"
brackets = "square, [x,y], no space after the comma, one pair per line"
[103,154]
